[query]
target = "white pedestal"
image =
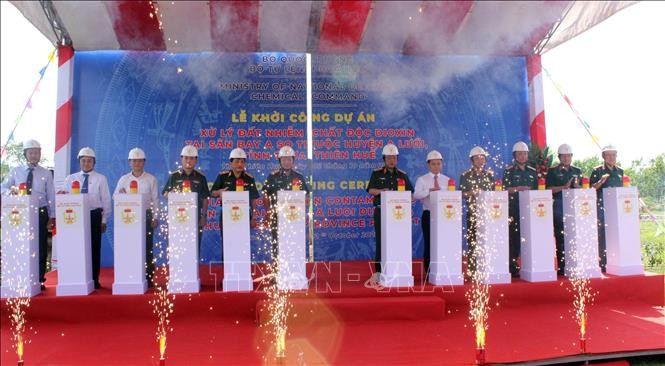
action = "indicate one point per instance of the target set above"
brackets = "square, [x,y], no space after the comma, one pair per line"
[492,236]
[396,258]
[20,246]
[580,233]
[235,233]
[622,231]
[291,245]
[537,230]
[129,244]
[446,238]
[73,241]
[183,253]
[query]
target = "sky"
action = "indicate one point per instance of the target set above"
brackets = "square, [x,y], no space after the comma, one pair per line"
[612,73]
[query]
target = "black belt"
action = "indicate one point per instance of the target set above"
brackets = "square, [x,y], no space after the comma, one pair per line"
[96,210]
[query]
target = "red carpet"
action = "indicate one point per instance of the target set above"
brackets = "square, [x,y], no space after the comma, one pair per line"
[346,325]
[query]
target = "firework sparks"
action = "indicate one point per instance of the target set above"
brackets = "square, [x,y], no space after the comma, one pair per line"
[17,280]
[480,256]
[163,301]
[581,264]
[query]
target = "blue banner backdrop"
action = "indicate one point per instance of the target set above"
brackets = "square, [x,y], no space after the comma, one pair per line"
[160,101]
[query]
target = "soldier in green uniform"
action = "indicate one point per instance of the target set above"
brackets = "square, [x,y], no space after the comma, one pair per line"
[517,177]
[471,183]
[605,176]
[282,179]
[197,180]
[384,179]
[560,177]
[228,180]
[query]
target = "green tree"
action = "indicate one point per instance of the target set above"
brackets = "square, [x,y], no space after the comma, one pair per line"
[588,164]
[13,156]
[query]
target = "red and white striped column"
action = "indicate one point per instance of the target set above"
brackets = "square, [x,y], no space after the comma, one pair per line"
[536,103]
[63,120]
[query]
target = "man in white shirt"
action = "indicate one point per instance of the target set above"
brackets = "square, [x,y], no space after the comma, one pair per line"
[147,184]
[99,201]
[39,182]
[432,181]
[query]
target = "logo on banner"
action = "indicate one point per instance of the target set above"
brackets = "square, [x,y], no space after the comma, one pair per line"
[449,211]
[128,216]
[627,206]
[69,216]
[398,212]
[15,218]
[181,215]
[495,211]
[236,213]
[585,209]
[292,213]
[541,211]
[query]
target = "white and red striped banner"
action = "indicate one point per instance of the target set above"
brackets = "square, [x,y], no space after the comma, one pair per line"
[63,120]
[536,103]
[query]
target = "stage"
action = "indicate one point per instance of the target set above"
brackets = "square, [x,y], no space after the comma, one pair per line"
[341,321]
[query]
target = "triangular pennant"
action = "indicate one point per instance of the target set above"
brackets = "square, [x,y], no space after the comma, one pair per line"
[43,70]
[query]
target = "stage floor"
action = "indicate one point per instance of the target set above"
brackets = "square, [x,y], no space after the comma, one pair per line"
[341,321]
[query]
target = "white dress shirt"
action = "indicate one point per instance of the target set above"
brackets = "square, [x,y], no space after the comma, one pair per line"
[98,191]
[424,183]
[42,185]
[147,184]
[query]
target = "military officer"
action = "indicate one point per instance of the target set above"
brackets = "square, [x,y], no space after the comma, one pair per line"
[384,179]
[284,178]
[472,182]
[516,178]
[606,175]
[197,180]
[560,177]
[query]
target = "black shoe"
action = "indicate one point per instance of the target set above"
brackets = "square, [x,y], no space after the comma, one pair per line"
[43,287]
[561,272]
[98,285]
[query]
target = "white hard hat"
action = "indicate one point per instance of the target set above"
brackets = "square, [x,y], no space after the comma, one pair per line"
[477,150]
[86,151]
[565,149]
[610,148]
[190,151]
[390,149]
[520,146]
[31,144]
[136,153]
[237,153]
[432,155]
[286,151]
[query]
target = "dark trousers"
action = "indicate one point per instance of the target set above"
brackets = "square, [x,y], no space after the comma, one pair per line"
[514,240]
[149,262]
[424,223]
[602,246]
[43,243]
[558,235]
[96,242]
[272,222]
[471,241]
[377,233]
